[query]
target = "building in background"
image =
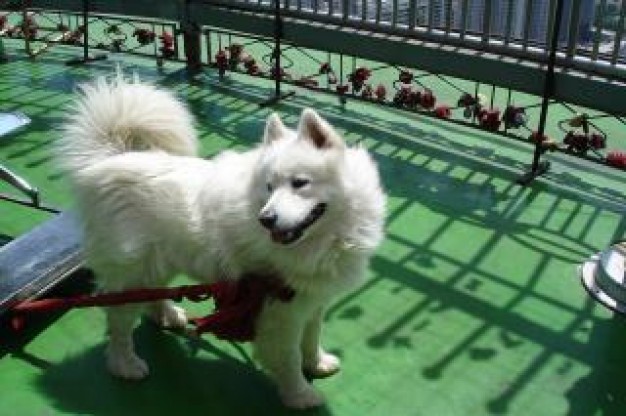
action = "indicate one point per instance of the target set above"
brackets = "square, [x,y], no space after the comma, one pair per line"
[532,23]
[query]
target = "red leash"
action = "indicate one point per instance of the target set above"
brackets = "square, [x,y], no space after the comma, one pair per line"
[237,303]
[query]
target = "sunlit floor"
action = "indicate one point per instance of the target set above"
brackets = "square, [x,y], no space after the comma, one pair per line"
[473,306]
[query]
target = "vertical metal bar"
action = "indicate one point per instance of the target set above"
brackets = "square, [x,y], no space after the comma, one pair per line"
[276,54]
[527,22]
[509,21]
[548,87]
[340,69]
[330,65]
[394,13]
[364,9]
[476,90]
[177,44]
[551,20]
[25,27]
[508,103]
[331,7]
[278,34]
[618,34]
[379,5]
[487,21]
[154,42]
[209,47]
[412,14]
[597,35]
[431,15]
[345,12]
[86,30]
[299,6]
[464,18]
[574,23]
[316,6]
[448,11]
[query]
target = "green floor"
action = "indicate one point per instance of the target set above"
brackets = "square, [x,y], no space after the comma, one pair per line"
[473,306]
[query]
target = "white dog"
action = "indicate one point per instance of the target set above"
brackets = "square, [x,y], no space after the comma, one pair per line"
[301,205]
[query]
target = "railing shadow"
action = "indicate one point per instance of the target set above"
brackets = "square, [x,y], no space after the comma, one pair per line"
[503,210]
[457,224]
[501,207]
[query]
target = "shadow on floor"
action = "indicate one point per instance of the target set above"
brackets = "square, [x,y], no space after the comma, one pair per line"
[603,390]
[183,383]
[179,383]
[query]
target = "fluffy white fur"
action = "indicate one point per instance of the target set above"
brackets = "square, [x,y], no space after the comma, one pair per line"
[151,209]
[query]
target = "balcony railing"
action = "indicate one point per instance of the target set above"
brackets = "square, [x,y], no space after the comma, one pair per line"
[483,62]
[591,32]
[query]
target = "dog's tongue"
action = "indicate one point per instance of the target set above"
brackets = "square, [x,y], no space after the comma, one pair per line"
[283,237]
[280,236]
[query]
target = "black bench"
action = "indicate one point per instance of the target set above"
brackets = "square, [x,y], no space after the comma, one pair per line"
[37,261]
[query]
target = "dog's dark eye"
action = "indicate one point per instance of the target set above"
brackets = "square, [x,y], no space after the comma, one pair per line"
[298,183]
[270,188]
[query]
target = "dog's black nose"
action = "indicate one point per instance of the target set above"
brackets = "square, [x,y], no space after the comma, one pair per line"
[268,219]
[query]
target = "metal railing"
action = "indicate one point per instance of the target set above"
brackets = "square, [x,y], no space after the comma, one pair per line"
[591,33]
[413,84]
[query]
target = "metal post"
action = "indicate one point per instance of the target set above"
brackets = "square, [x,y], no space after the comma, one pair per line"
[538,167]
[278,34]
[192,37]
[86,58]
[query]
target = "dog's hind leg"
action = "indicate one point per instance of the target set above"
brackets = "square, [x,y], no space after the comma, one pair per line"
[122,360]
[317,362]
[168,315]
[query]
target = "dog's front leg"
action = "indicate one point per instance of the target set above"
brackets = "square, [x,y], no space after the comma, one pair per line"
[316,361]
[122,360]
[278,348]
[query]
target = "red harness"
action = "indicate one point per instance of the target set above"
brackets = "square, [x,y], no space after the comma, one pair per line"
[237,303]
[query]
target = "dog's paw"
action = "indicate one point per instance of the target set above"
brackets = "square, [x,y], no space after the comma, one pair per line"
[168,315]
[304,398]
[327,365]
[127,366]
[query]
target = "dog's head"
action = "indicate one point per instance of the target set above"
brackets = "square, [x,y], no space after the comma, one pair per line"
[298,178]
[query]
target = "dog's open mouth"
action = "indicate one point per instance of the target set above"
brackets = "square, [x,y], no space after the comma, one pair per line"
[288,236]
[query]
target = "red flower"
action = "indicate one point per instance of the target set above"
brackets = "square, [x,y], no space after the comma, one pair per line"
[358,78]
[427,99]
[167,45]
[617,159]
[221,61]
[597,141]
[443,111]
[489,119]
[380,92]
[167,39]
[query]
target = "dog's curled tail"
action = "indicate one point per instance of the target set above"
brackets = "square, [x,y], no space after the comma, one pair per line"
[120,115]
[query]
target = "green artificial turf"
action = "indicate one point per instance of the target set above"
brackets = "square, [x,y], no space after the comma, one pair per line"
[473,304]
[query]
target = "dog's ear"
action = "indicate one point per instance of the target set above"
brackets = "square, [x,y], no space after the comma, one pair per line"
[315,129]
[274,129]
